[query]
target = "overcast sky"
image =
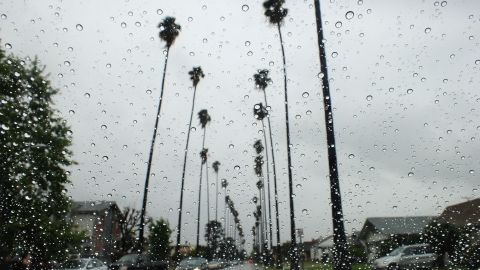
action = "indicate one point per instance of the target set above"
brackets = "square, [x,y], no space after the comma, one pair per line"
[405,89]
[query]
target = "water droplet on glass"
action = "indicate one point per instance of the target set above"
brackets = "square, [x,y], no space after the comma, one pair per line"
[471,171]
[245,8]
[79,27]
[123,24]
[410,174]
[305,94]
[369,98]
[8,45]
[349,15]
[87,95]
[334,54]
[105,158]
[428,30]
[231,146]
[159,11]
[236,167]
[444,3]
[3,16]
[103,126]
[66,63]
[338,24]
[409,91]
[351,156]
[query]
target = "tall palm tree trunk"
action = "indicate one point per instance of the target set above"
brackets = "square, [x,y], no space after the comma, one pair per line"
[268,187]
[216,198]
[225,215]
[200,192]
[208,192]
[293,239]
[180,209]
[277,216]
[341,259]
[141,230]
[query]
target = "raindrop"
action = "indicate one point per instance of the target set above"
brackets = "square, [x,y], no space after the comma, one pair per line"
[349,15]
[334,54]
[79,27]
[236,167]
[87,95]
[8,45]
[427,30]
[105,158]
[66,63]
[108,65]
[305,94]
[123,24]
[148,91]
[231,146]
[109,195]
[444,3]
[245,8]
[305,211]
[249,53]
[471,171]
[369,98]
[409,91]
[103,127]
[159,11]
[72,112]
[410,174]
[351,156]
[308,112]
[3,16]
[477,62]
[28,198]
[247,43]
[338,24]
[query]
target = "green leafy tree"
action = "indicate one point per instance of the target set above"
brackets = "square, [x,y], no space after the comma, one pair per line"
[442,237]
[159,239]
[213,236]
[34,155]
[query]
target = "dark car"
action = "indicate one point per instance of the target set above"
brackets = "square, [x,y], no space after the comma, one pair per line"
[138,262]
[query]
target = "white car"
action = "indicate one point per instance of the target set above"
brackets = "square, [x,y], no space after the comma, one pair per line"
[407,257]
[83,264]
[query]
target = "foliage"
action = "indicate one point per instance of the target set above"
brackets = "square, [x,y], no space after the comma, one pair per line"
[159,239]
[274,10]
[228,250]
[215,166]
[195,74]
[129,221]
[213,236]
[261,79]
[442,237]
[259,111]
[204,118]
[169,30]
[467,248]
[34,152]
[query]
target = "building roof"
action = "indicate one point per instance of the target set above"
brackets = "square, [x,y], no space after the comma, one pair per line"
[92,206]
[395,225]
[462,213]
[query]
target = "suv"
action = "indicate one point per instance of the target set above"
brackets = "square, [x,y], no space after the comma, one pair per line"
[407,257]
[138,262]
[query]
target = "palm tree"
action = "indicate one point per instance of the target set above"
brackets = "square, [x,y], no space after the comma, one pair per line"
[195,75]
[262,81]
[224,186]
[203,156]
[260,112]
[341,259]
[215,166]
[204,119]
[258,168]
[275,12]
[169,31]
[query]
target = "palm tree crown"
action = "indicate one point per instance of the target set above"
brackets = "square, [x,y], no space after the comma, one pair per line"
[275,11]
[195,75]
[215,166]
[261,79]
[258,165]
[204,117]
[259,111]
[169,30]
[258,146]
[224,183]
[203,155]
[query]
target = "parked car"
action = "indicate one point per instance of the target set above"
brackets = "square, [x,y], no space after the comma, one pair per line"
[217,264]
[407,257]
[138,262]
[82,264]
[193,263]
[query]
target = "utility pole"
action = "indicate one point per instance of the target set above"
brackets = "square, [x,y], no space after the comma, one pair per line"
[341,259]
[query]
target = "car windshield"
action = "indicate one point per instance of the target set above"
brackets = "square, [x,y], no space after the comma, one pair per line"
[131,258]
[396,252]
[192,262]
[271,133]
[74,264]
